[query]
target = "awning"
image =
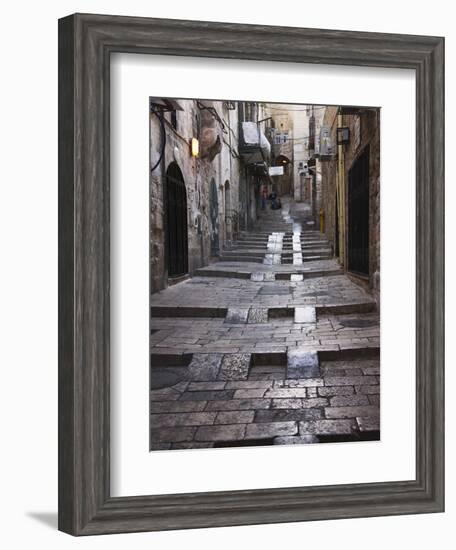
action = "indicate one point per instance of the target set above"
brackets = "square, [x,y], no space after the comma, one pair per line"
[254,146]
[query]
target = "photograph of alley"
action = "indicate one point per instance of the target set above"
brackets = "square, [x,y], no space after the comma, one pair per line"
[264,273]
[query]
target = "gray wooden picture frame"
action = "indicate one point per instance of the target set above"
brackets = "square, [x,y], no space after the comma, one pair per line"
[85,45]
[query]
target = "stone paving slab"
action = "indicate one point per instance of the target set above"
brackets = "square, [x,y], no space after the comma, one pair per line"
[305,315]
[237,315]
[205,366]
[258,315]
[257,277]
[352,412]
[254,350]
[368,424]
[326,427]
[270,429]
[220,432]
[235,366]
[302,364]
[296,440]
[235,417]
[287,415]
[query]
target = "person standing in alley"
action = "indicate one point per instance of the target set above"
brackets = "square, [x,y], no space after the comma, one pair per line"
[264,196]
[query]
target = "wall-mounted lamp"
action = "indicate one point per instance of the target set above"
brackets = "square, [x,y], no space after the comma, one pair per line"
[343,135]
[194,147]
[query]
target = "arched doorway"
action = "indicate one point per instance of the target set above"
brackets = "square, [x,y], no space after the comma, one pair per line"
[213,214]
[228,213]
[283,185]
[176,222]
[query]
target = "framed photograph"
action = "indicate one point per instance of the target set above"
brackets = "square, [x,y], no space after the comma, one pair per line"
[250,238]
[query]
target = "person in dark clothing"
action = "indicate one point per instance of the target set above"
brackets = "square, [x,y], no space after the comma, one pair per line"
[264,196]
[273,199]
[276,203]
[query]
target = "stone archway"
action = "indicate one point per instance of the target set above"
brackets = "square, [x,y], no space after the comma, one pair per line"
[176,222]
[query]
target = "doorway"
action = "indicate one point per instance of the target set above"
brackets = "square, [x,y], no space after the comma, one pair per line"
[214,213]
[228,215]
[358,215]
[176,222]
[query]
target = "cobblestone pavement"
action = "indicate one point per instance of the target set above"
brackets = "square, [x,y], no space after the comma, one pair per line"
[254,351]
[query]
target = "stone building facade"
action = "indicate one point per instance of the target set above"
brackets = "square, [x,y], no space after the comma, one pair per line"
[204,213]
[280,132]
[349,154]
[205,181]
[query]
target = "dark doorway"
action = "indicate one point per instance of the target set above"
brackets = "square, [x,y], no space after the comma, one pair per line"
[228,218]
[358,215]
[176,222]
[336,225]
[214,212]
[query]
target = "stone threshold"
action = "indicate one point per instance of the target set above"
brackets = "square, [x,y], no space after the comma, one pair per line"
[278,276]
[300,363]
[269,312]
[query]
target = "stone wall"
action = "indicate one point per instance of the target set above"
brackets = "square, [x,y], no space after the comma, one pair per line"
[367,126]
[328,182]
[216,128]
[364,131]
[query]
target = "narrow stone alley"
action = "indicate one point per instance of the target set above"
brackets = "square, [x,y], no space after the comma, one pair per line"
[271,344]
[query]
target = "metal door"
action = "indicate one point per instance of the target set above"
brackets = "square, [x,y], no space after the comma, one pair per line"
[176,222]
[358,215]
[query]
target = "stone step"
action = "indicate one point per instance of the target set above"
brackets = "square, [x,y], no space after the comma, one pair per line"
[272,312]
[280,275]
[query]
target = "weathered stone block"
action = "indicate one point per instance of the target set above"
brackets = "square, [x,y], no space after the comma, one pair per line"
[204,366]
[349,401]
[257,277]
[172,435]
[235,366]
[238,404]
[182,419]
[368,390]
[220,433]
[352,412]
[335,390]
[176,406]
[350,380]
[302,364]
[206,386]
[234,417]
[248,394]
[207,395]
[295,440]
[326,427]
[368,424]
[166,394]
[279,393]
[305,314]
[287,415]
[237,315]
[287,403]
[248,384]
[192,445]
[167,376]
[271,429]
[258,315]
